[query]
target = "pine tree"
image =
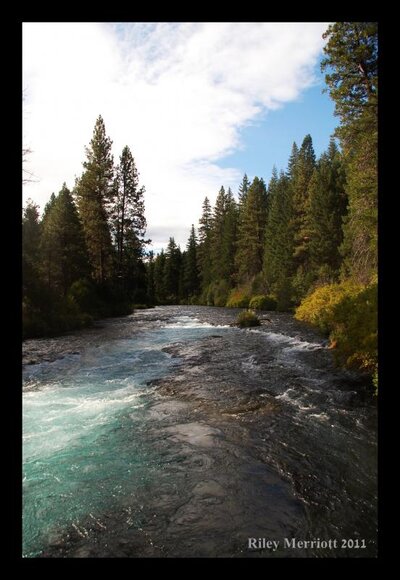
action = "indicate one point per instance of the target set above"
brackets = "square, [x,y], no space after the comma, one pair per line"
[47,250]
[242,196]
[160,291]
[279,240]
[352,77]
[63,249]
[327,207]
[205,225]
[360,243]
[301,171]
[31,231]
[128,209]
[151,289]
[351,63]
[191,283]
[251,232]
[228,241]
[272,185]
[95,193]
[129,227]
[294,156]
[243,189]
[204,249]
[48,206]
[33,293]
[172,272]
[218,220]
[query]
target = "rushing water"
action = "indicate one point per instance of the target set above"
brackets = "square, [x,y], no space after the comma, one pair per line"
[171,433]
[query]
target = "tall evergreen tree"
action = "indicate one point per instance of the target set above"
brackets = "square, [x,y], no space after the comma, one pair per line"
[47,250]
[33,293]
[31,231]
[129,227]
[351,63]
[95,193]
[191,282]
[63,248]
[250,241]
[300,171]
[216,254]
[327,207]
[360,243]
[294,156]
[160,290]
[242,196]
[279,240]
[205,229]
[128,209]
[229,237]
[172,272]
[151,289]
[272,185]
[243,189]
[48,206]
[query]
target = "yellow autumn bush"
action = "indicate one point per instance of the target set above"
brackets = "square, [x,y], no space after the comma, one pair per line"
[348,313]
[355,329]
[318,307]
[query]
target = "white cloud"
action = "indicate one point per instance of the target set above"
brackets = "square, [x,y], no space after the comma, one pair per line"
[177,94]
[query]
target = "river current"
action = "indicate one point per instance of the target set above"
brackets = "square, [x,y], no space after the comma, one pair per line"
[170,433]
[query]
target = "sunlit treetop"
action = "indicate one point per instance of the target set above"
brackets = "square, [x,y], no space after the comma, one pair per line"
[351,64]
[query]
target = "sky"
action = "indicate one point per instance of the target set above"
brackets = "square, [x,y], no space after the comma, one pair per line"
[198,104]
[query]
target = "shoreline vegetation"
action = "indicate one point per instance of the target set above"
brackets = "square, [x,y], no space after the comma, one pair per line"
[305,243]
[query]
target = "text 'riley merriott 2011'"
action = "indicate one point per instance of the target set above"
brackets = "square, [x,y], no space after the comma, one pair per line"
[295,544]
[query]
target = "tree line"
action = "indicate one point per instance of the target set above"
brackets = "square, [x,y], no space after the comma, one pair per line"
[278,239]
[305,242]
[84,258]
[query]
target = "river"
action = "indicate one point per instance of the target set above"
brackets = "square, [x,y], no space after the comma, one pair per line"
[170,433]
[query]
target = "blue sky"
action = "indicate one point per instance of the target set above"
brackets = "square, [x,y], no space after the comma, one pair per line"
[198,104]
[268,140]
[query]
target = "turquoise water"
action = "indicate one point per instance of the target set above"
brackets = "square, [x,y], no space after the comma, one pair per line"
[84,429]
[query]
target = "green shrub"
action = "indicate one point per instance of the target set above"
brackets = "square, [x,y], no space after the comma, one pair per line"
[263,302]
[238,299]
[247,318]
